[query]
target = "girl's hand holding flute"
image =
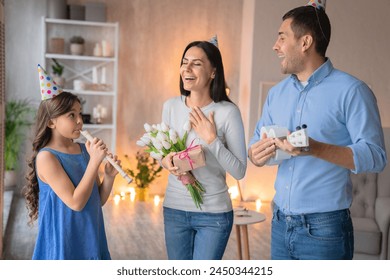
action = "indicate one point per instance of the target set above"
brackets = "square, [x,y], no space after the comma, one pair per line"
[89,137]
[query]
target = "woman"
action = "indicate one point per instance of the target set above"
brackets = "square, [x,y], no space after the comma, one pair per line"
[190,232]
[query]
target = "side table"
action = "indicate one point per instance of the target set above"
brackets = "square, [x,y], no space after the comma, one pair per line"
[243,218]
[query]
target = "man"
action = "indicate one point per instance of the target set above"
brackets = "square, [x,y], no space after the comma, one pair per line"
[311,218]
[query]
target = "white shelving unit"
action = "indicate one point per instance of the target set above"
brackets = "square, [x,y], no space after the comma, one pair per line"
[81,67]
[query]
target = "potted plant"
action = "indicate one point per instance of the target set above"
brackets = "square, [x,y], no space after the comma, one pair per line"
[146,172]
[77,45]
[18,115]
[58,70]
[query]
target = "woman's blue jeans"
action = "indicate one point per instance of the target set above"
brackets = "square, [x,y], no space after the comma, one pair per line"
[318,236]
[196,235]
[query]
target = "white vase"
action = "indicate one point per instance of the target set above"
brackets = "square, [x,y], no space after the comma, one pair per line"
[77,49]
[97,50]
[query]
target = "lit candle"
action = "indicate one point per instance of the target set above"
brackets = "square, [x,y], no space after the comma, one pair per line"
[258,204]
[132,193]
[132,190]
[233,190]
[132,197]
[117,198]
[156,200]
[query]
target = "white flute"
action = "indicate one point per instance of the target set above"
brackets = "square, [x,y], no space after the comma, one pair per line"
[89,137]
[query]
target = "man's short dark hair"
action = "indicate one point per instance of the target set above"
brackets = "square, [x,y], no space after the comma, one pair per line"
[313,21]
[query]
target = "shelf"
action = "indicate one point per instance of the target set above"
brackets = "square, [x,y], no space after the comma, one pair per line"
[80,22]
[79,57]
[88,69]
[90,92]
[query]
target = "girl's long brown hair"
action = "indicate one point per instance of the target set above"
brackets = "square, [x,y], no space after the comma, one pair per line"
[48,109]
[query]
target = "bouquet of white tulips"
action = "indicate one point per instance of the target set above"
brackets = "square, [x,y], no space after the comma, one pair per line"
[160,140]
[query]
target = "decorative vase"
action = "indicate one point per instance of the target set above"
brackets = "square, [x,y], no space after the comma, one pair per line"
[57,9]
[97,50]
[142,194]
[77,49]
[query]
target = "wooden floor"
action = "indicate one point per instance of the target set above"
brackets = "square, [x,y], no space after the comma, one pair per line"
[134,230]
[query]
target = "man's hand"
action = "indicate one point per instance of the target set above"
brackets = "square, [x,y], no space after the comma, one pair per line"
[284,145]
[262,151]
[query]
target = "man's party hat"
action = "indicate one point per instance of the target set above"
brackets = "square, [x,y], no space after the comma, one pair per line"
[214,41]
[317,4]
[49,88]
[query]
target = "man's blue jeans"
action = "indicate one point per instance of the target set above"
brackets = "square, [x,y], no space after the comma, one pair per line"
[196,235]
[318,236]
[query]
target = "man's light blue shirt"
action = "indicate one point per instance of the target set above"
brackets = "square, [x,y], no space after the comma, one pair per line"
[338,109]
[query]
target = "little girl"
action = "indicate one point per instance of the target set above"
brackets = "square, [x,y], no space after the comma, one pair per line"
[63,189]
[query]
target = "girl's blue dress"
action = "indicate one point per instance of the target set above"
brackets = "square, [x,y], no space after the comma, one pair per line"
[64,234]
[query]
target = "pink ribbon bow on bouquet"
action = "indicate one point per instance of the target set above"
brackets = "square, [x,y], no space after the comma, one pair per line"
[184,154]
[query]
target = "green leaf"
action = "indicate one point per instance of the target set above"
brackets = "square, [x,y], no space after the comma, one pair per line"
[18,118]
